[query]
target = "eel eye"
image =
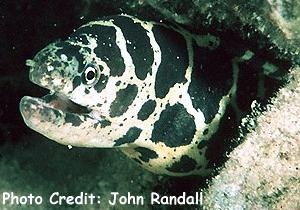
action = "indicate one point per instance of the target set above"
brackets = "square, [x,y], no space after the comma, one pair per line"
[91,75]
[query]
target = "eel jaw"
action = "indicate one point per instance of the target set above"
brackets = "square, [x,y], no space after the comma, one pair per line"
[61,120]
[55,116]
[56,101]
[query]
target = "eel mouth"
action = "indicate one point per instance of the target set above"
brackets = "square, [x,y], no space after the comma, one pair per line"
[31,107]
[62,102]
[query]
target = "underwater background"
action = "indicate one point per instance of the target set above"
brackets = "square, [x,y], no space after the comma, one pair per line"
[30,163]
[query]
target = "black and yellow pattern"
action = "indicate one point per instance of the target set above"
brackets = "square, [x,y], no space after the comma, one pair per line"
[145,87]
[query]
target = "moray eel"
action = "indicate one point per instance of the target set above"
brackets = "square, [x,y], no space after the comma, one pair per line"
[146,88]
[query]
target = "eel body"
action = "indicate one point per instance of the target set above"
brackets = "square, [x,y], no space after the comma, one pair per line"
[144,87]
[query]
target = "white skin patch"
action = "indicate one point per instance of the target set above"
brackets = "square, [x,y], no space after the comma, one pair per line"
[50,68]
[63,57]
[56,82]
